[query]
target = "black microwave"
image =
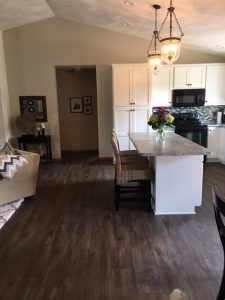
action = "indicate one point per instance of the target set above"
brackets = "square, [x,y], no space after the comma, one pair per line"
[188,97]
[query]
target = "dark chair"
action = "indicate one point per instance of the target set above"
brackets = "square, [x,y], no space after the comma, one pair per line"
[219,209]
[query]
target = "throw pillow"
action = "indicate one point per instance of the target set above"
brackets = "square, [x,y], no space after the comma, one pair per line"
[9,164]
[8,149]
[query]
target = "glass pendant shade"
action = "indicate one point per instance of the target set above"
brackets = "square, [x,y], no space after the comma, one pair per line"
[154,56]
[154,60]
[170,44]
[170,49]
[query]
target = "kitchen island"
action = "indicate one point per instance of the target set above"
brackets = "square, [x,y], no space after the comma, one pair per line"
[178,166]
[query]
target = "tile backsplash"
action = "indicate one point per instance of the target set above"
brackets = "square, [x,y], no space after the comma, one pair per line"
[207,114]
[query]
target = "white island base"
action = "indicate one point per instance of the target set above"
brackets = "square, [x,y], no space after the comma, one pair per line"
[177,185]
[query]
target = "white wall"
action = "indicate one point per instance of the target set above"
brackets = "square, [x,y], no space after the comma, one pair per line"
[78,131]
[33,51]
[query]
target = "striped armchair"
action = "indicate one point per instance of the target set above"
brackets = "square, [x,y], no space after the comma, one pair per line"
[23,183]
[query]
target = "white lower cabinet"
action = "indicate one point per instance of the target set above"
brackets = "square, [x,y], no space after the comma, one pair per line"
[213,142]
[222,144]
[127,119]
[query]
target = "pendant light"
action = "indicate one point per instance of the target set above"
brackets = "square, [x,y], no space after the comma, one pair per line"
[170,44]
[154,56]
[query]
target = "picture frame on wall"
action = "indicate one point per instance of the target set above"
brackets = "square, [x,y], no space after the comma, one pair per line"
[76,105]
[88,110]
[35,105]
[87,100]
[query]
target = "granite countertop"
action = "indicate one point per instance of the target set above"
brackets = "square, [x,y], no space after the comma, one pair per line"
[173,145]
[216,125]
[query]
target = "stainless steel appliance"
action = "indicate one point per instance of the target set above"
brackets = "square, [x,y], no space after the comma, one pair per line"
[189,126]
[188,97]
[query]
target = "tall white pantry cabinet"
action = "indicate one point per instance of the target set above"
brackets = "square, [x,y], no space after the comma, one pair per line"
[131,100]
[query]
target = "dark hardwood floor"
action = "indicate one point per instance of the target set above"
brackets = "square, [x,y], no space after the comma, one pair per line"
[68,242]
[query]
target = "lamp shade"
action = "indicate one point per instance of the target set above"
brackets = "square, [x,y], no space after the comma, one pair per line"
[154,60]
[170,49]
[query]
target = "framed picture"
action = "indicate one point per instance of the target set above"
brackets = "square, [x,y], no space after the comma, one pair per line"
[87,100]
[35,105]
[76,105]
[88,110]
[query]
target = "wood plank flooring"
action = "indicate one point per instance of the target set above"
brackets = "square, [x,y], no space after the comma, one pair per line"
[68,242]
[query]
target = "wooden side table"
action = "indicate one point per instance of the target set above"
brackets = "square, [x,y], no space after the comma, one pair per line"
[24,140]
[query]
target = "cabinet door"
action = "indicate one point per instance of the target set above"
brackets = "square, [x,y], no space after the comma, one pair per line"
[222,144]
[122,120]
[213,142]
[140,85]
[189,77]
[121,85]
[180,77]
[160,95]
[215,87]
[196,76]
[140,116]
[122,125]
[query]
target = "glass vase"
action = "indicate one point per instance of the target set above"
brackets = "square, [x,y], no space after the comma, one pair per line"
[160,134]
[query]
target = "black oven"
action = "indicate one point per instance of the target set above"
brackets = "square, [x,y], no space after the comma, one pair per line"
[188,97]
[194,134]
[189,126]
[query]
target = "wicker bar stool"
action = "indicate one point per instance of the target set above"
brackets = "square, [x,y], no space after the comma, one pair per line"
[127,156]
[131,177]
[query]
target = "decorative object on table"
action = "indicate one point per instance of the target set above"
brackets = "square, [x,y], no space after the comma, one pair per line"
[42,128]
[7,210]
[35,105]
[26,123]
[76,105]
[177,294]
[159,120]
[87,100]
[88,110]
[170,43]
[154,56]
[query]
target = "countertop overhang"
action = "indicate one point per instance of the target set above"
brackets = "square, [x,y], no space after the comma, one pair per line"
[172,145]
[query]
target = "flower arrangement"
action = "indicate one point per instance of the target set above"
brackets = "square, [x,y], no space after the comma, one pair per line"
[160,119]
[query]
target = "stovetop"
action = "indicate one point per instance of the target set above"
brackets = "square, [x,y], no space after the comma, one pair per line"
[188,120]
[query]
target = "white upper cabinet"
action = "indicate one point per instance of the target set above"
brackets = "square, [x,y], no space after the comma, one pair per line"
[189,77]
[131,85]
[161,87]
[215,87]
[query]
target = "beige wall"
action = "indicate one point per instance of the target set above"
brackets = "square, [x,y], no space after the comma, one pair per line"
[78,131]
[4,99]
[33,51]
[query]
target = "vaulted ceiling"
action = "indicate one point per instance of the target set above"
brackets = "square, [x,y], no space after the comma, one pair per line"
[202,21]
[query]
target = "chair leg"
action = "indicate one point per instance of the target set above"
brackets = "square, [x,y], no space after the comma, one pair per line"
[221,294]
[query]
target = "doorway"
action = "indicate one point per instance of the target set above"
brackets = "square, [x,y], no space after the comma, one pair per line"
[77,106]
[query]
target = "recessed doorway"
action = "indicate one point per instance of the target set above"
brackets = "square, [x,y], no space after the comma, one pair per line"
[77,106]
